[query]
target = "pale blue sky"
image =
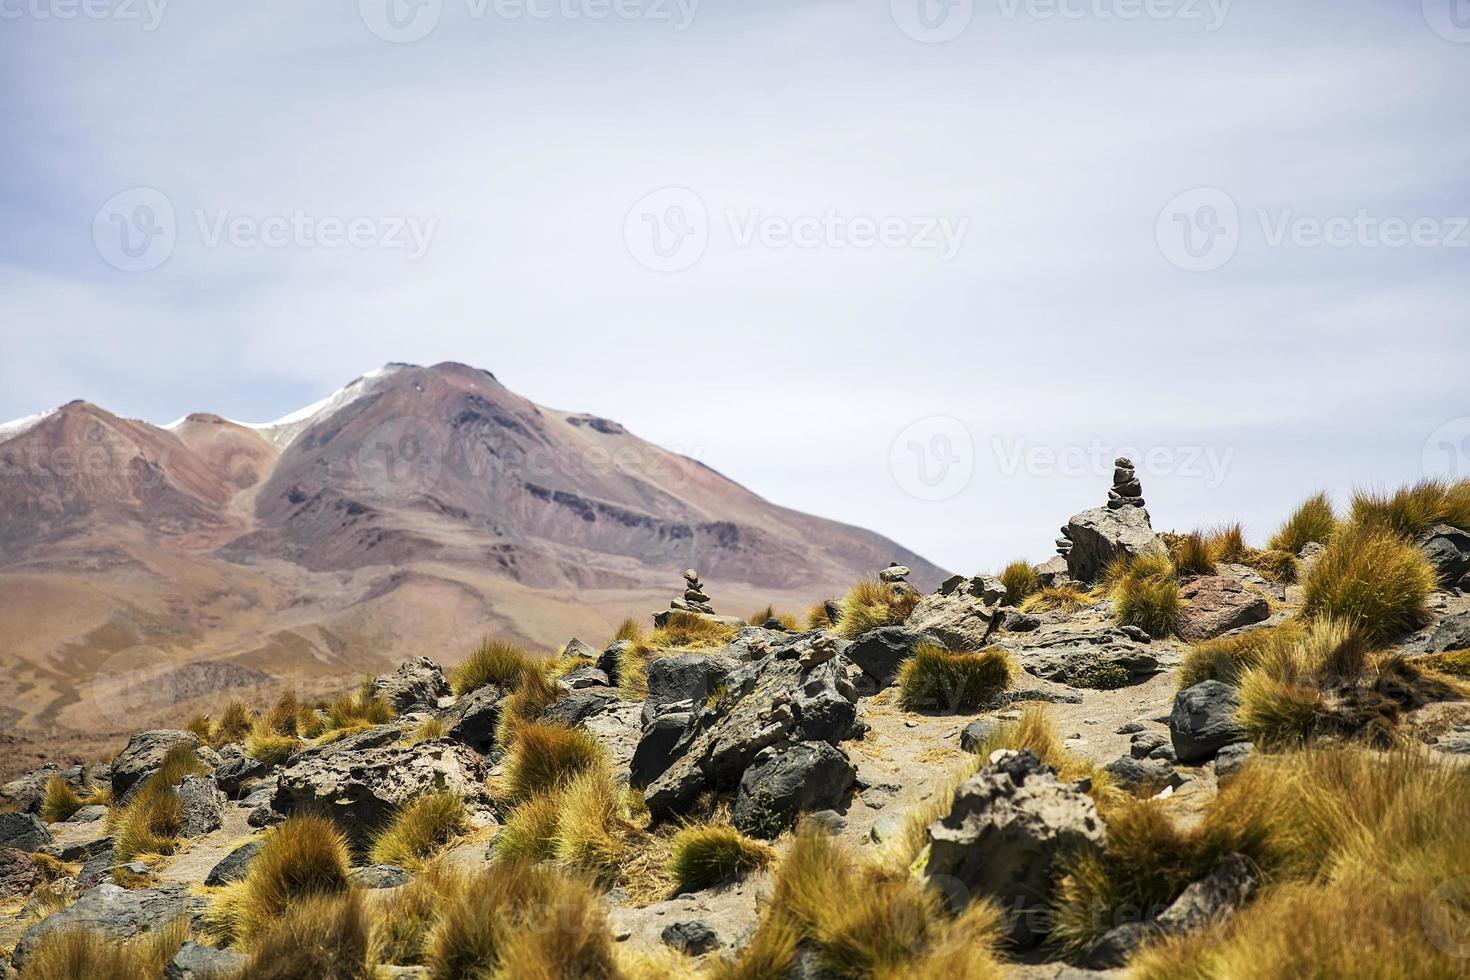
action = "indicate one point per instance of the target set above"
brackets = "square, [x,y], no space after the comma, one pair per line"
[518,147]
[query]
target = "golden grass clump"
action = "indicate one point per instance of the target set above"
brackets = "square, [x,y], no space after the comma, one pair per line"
[546,756]
[428,730]
[537,692]
[235,722]
[303,857]
[871,604]
[1410,511]
[1227,543]
[402,921]
[1191,554]
[934,679]
[761,616]
[861,921]
[59,801]
[72,953]
[420,829]
[689,631]
[265,745]
[321,937]
[357,711]
[1066,597]
[1313,521]
[704,855]
[1225,658]
[1454,663]
[1020,580]
[818,617]
[493,662]
[516,920]
[149,822]
[1272,563]
[1147,596]
[1372,580]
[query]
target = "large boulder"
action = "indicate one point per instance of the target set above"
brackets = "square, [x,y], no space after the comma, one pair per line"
[1203,720]
[576,707]
[1006,835]
[143,755]
[23,832]
[1215,604]
[656,749]
[117,913]
[787,781]
[1103,533]
[879,653]
[1093,656]
[201,806]
[236,769]
[685,677]
[415,685]
[1447,548]
[474,717]
[360,787]
[961,618]
[800,694]
[234,865]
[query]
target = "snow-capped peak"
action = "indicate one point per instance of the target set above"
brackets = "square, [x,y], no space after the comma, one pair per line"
[19,427]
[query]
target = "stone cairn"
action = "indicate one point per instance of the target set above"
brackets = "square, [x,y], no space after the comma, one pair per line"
[694,599]
[1127,490]
[896,576]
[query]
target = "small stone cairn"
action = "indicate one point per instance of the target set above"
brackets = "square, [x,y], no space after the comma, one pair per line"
[1127,491]
[694,600]
[896,576]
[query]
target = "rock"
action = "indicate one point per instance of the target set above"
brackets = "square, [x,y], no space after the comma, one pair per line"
[610,660]
[376,876]
[786,782]
[88,814]
[1134,774]
[686,677]
[1447,548]
[1230,759]
[23,832]
[473,718]
[360,788]
[1116,946]
[577,650]
[1006,835]
[768,702]
[583,677]
[143,755]
[1203,720]
[25,793]
[973,735]
[1097,656]
[963,619]
[263,816]
[894,573]
[18,873]
[236,769]
[655,752]
[879,653]
[201,806]
[578,706]
[1227,888]
[1018,622]
[98,867]
[196,962]
[1214,604]
[116,913]
[692,937]
[1141,744]
[234,865]
[1054,571]
[1452,632]
[1165,752]
[1103,533]
[416,685]
[887,827]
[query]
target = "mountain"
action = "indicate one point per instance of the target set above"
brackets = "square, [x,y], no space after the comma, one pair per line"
[412,512]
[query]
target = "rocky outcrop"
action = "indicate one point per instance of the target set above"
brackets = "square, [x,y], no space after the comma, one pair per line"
[23,832]
[473,718]
[1203,720]
[685,677]
[787,781]
[360,787]
[800,694]
[143,755]
[1095,656]
[962,618]
[1447,548]
[117,913]
[1005,836]
[416,685]
[880,652]
[1452,632]
[1214,604]
[1104,533]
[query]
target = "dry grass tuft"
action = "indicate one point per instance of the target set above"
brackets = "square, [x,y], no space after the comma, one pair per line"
[1191,554]
[1147,596]
[1225,658]
[403,921]
[761,616]
[546,756]
[265,745]
[934,679]
[493,662]
[704,855]
[149,822]
[1067,598]
[321,937]
[537,692]
[419,830]
[304,857]
[1410,511]
[357,711]
[60,801]
[69,954]
[818,618]
[1020,580]
[871,604]
[1372,580]
[1312,521]
[428,730]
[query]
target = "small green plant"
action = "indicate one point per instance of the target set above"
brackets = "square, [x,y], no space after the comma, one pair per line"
[935,679]
[493,662]
[704,855]
[1313,521]
[1020,580]
[1372,580]
[420,829]
[871,604]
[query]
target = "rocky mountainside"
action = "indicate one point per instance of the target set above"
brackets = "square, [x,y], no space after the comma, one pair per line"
[1202,759]
[415,510]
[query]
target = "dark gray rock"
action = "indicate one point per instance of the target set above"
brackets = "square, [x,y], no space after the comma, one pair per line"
[24,794]
[117,913]
[376,876]
[1230,759]
[1009,829]
[1165,752]
[234,865]
[1115,947]
[201,806]
[692,937]
[1096,656]
[235,769]
[656,749]
[196,962]
[575,680]
[610,660]
[1140,774]
[685,677]
[1226,889]
[786,782]
[973,735]
[577,706]
[263,816]
[473,718]
[1203,720]
[98,867]
[881,652]
[1452,632]
[24,832]
[143,755]
[963,618]
[88,814]
[1448,550]
[1102,534]
[18,873]
[1019,622]
[1215,604]
[1141,744]
[415,685]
